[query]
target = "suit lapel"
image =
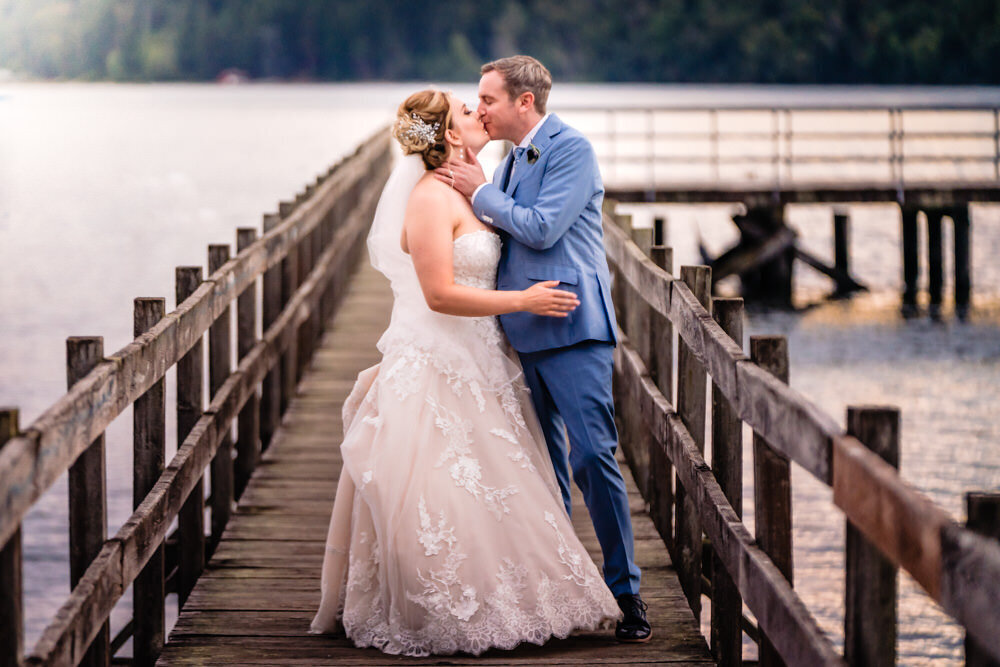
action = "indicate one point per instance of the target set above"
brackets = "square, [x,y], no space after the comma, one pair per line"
[541,140]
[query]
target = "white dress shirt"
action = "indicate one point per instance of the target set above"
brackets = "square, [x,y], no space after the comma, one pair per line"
[525,142]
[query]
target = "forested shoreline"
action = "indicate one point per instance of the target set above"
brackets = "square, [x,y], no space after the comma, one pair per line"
[707,41]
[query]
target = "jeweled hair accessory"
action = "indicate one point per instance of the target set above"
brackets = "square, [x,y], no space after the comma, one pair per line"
[421,129]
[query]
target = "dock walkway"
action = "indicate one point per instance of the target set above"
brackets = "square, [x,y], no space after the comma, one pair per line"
[258,593]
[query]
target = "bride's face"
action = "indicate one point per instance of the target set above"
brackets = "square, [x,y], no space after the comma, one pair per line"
[468,127]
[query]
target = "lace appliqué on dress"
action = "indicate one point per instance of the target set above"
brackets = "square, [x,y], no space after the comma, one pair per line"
[464,469]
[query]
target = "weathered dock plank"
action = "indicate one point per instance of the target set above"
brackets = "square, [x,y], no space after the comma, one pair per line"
[258,593]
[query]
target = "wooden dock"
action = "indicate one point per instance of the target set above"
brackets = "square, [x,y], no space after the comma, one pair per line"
[247,581]
[258,593]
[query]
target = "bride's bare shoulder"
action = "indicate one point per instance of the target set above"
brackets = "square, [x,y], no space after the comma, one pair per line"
[430,194]
[429,209]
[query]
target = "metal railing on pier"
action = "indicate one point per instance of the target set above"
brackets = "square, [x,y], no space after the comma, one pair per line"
[896,146]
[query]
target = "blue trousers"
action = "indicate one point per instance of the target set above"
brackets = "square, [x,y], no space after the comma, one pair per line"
[571,391]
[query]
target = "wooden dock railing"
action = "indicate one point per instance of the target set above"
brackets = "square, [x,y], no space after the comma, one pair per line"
[302,260]
[664,432]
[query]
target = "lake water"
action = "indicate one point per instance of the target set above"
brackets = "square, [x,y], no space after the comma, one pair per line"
[104,189]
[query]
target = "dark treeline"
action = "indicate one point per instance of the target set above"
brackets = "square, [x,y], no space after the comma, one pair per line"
[768,41]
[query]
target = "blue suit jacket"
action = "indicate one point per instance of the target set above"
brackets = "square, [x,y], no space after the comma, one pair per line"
[550,221]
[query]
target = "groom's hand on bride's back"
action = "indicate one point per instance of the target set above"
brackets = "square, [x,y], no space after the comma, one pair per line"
[465,175]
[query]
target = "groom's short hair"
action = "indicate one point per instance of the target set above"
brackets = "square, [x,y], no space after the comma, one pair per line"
[523,74]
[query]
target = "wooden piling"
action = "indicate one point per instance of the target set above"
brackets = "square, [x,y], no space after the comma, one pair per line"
[963,267]
[841,241]
[248,423]
[149,439]
[270,393]
[870,582]
[88,513]
[659,231]
[727,466]
[935,261]
[772,483]
[190,406]
[766,271]
[11,573]
[911,261]
[984,518]
[219,367]
[661,489]
[691,388]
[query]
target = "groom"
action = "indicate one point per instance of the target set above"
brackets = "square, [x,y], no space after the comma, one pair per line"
[545,200]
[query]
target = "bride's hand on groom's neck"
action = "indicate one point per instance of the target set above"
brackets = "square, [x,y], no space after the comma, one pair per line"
[464,175]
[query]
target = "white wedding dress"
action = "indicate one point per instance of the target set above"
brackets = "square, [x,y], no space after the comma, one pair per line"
[448,532]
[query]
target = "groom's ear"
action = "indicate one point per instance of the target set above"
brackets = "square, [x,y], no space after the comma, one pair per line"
[526,102]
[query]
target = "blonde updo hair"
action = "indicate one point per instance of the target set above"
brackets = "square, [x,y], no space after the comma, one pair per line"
[431,106]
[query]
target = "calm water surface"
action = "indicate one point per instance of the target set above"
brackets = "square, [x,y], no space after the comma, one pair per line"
[104,189]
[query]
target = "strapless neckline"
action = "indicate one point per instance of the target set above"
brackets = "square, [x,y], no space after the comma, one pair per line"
[478,231]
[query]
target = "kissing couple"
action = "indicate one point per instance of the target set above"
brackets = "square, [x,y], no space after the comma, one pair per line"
[450,530]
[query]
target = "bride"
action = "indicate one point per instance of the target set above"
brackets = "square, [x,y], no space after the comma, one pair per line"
[448,530]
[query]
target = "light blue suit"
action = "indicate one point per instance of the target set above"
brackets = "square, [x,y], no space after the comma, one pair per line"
[549,217]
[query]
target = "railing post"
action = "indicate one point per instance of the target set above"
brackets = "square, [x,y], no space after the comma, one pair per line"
[713,119]
[329,290]
[996,143]
[901,148]
[911,261]
[270,410]
[691,388]
[88,513]
[289,283]
[619,290]
[727,466]
[894,163]
[984,518]
[772,483]
[11,574]
[651,143]
[661,475]
[248,424]
[219,367]
[776,139]
[190,406]
[305,334]
[149,439]
[621,296]
[789,142]
[870,583]
[638,331]
[318,320]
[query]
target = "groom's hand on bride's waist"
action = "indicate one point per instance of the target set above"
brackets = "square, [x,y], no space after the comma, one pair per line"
[463,175]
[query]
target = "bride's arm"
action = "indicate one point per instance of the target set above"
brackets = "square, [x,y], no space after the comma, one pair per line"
[429,237]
